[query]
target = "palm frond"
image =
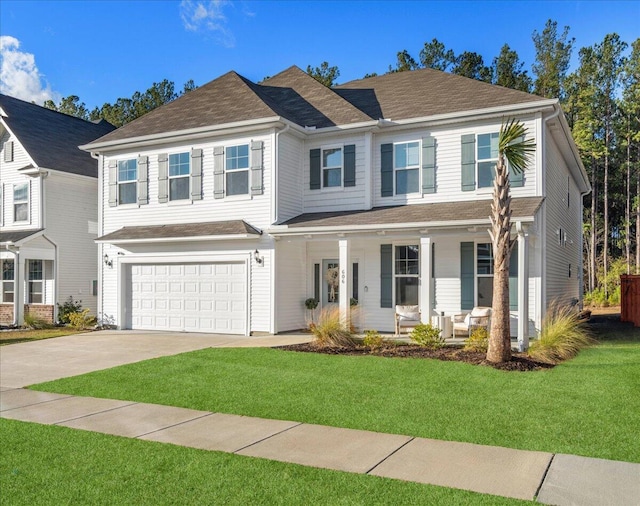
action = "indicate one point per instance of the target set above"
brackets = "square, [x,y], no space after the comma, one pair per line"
[513,145]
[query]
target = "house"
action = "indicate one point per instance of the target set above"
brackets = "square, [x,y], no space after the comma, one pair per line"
[48,211]
[225,209]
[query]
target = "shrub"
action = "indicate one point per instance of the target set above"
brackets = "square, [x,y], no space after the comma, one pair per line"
[373,340]
[477,341]
[427,335]
[562,336]
[329,330]
[82,320]
[311,303]
[70,306]
[33,322]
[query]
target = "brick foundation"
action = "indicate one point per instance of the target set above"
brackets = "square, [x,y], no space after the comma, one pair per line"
[6,314]
[41,311]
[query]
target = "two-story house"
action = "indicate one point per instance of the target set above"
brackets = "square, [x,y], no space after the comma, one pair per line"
[48,211]
[224,210]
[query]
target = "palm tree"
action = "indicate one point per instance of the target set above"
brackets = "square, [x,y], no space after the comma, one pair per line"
[513,151]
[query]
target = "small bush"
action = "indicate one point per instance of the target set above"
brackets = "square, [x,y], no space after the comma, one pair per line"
[427,335]
[562,336]
[70,306]
[311,303]
[477,341]
[33,322]
[373,340]
[82,320]
[329,330]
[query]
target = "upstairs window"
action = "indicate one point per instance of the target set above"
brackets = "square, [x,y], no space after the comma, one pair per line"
[487,159]
[127,181]
[331,167]
[179,171]
[237,170]
[406,165]
[21,202]
[35,282]
[8,278]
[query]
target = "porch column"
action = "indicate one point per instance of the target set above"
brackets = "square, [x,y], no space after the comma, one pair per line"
[523,288]
[344,261]
[18,289]
[426,288]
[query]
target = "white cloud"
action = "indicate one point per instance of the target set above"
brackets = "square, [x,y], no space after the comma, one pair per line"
[19,75]
[207,16]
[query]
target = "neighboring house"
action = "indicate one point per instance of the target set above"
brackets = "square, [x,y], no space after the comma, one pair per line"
[48,211]
[224,210]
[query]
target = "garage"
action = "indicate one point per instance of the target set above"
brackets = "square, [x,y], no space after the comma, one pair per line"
[191,297]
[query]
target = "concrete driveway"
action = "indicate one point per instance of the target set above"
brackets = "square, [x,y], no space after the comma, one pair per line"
[25,364]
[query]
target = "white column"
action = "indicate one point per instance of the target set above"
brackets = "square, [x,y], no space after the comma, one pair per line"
[426,291]
[345,277]
[19,298]
[523,289]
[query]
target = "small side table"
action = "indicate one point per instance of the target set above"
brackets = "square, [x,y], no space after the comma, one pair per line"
[444,324]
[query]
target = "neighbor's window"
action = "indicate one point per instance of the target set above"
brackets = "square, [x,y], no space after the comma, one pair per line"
[179,171]
[406,164]
[35,282]
[127,181]
[21,202]
[331,167]
[406,274]
[8,277]
[237,170]
[487,159]
[484,270]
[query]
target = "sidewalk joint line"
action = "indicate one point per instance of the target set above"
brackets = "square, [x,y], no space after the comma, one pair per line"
[36,403]
[392,453]
[209,413]
[97,412]
[544,477]
[267,437]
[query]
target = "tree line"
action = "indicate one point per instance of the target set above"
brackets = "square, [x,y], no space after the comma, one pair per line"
[601,101]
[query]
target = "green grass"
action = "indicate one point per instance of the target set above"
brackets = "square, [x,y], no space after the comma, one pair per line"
[44,465]
[587,406]
[22,336]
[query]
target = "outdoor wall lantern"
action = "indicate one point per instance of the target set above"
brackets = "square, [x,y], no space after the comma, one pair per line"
[107,261]
[257,257]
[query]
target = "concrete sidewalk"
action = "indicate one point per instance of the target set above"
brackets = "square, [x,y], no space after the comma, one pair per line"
[553,479]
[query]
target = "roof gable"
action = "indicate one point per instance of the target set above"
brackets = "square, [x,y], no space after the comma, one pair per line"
[51,138]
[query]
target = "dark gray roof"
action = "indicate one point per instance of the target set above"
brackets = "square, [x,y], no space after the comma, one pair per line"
[52,138]
[417,213]
[185,230]
[426,92]
[17,235]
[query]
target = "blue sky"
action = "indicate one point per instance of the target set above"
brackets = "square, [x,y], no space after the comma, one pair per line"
[102,50]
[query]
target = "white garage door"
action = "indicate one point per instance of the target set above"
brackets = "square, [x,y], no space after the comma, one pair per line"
[209,297]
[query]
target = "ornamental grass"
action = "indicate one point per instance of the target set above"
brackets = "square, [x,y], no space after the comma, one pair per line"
[330,330]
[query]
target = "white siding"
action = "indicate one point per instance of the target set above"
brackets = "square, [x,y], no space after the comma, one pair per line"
[291,285]
[290,176]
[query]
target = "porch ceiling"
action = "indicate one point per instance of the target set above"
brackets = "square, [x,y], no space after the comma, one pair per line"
[441,214]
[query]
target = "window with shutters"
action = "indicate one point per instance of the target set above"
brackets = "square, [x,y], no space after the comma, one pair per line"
[487,159]
[127,181]
[8,279]
[485,273]
[237,170]
[179,172]
[35,282]
[406,166]
[406,274]
[21,202]
[332,167]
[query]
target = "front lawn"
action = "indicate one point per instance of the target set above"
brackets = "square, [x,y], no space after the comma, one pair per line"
[43,465]
[587,406]
[21,336]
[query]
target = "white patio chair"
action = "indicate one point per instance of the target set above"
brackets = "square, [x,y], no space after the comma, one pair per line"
[479,317]
[406,317]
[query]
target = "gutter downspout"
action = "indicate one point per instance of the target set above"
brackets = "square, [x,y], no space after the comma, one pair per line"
[100,252]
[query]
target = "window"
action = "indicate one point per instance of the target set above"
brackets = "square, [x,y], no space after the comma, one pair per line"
[406,274]
[331,167]
[35,282]
[21,202]
[8,277]
[484,269]
[179,171]
[487,159]
[406,165]
[127,181]
[237,170]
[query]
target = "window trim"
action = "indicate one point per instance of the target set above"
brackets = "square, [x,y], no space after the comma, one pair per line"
[181,176]
[133,181]
[31,281]
[395,275]
[246,170]
[477,275]
[417,167]
[3,291]
[26,202]
[485,160]
[333,167]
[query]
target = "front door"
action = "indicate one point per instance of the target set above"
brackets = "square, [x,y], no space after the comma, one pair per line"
[330,282]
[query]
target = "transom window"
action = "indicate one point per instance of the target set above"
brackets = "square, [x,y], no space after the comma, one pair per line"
[406,274]
[331,167]
[35,282]
[237,170]
[406,164]
[179,170]
[487,159]
[21,202]
[8,277]
[127,181]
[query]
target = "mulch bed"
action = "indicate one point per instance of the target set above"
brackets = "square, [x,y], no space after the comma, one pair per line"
[519,361]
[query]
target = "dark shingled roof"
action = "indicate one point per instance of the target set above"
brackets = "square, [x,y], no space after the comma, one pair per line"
[17,235]
[426,92]
[184,230]
[52,138]
[417,213]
